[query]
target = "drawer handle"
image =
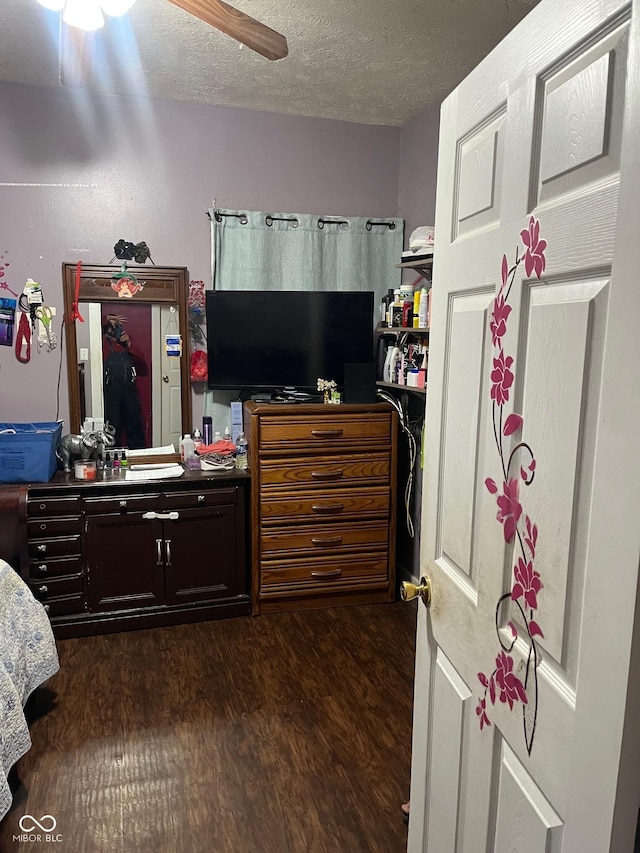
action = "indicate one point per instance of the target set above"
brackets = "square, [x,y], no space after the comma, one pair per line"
[158,552]
[327,475]
[326,433]
[321,508]
[123,504]
[42,568]
[43,527]
[43,590]
[163,516]
[200,499]
[42,549]
[330,540]
[332,573]
[167,545]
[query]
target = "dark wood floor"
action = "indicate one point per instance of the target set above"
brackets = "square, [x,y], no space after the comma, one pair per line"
[288,732]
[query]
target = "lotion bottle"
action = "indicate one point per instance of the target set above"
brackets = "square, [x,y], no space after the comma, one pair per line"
[423,312]
[386,370]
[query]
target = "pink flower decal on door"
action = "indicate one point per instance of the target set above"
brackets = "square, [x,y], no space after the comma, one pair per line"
[503,684]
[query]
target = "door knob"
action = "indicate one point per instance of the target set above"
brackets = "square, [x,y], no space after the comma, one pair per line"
[165,378]
[408,591]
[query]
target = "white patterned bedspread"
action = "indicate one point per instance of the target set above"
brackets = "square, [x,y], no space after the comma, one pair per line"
[28,657]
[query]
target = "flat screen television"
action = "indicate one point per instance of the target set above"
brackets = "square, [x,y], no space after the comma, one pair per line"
[264,341]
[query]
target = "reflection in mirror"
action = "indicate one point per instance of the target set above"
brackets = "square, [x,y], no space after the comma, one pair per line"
[127,377]
[119,368]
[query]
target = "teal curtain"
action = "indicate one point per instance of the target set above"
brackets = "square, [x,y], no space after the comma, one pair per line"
[254,250]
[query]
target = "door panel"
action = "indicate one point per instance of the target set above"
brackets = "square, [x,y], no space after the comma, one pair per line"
[532,483]
[525,821]
[124,559]
[190,576]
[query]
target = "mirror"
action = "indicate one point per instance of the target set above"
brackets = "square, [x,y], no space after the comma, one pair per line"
[123,361]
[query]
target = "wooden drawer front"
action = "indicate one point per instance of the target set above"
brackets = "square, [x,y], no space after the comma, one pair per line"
[64,546]
[123,504]
[54,506]
[189,500]
[346,470]
[50,589]
[339,503]
[307,432]
[65,605]
[334,537]
[44,528]
[40,569]
[324,573]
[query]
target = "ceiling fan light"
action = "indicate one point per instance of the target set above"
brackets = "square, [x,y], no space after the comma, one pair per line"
[116,8]
[84,14]
[53,5]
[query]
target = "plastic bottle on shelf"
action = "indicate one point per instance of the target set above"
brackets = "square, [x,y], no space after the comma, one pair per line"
[241,451]
[423,311]
[386,370]
[416,308]
[384,308]
[187,448]
[197,438]
[394,364]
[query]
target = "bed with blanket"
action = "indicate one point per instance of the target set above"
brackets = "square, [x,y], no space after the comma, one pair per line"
[28,657]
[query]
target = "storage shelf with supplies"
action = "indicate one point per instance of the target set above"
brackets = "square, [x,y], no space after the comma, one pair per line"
[402,352]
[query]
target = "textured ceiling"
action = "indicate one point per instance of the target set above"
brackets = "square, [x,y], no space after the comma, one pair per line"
[369,61]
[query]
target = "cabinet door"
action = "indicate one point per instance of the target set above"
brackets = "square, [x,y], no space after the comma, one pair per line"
[125,557]
[203,555]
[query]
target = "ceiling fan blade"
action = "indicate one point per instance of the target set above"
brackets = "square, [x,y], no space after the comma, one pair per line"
[75,56]
[241,27]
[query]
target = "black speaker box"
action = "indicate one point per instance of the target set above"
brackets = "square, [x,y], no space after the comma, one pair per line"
[360,383]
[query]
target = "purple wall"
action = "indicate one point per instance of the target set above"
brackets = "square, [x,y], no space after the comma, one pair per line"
[84,172]
[418,169]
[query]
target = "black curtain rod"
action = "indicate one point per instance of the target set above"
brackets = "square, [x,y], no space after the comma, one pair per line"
[241,217]
[390,225]
[269,220]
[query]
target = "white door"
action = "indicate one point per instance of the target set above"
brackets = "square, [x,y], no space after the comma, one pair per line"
[167,401]
[527,719]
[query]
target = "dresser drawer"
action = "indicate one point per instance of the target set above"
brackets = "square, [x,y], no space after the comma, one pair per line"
[320,472]
[323,573]
[327,537]
[44,528]
[65,605]
[64,546]
[187,500]
[40,569]
[339,503]
[51,589]
[325,433]
[122,504]
[71,505]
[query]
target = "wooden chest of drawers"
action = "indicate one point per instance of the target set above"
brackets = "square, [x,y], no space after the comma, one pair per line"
[323,499]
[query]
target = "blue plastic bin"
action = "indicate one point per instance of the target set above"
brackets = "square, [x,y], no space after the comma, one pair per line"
[28,452]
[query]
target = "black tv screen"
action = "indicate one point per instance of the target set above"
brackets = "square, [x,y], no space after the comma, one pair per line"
[267,340]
